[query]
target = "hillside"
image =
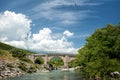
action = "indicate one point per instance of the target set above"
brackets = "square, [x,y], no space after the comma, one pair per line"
[13,61]
[7,47]
[4,46]
[8,52]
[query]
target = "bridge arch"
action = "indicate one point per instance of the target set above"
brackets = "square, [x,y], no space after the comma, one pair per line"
[56,62]
[65,57]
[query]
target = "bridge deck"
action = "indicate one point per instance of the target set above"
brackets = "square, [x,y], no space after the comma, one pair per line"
[54,55]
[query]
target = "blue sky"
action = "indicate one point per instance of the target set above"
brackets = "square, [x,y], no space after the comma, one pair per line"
[65,23]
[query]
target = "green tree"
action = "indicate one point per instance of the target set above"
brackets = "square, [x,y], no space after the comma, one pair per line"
[73,63]
[101,54]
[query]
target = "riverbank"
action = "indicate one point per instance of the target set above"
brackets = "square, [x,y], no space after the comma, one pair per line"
[52,75]
[13,61]
[10,69]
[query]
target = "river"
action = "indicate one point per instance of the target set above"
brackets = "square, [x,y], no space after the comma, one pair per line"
[53,75]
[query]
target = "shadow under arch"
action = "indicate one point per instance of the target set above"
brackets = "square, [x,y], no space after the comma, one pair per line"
[39,60]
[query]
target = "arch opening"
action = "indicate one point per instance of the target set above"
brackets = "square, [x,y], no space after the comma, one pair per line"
[39,60]
[56,62]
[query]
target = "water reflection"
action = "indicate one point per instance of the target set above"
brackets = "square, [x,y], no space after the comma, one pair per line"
[66,77]
[54,75]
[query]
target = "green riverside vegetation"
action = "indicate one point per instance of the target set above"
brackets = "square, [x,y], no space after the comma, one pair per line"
[101,54]
[56,62]
[10,53]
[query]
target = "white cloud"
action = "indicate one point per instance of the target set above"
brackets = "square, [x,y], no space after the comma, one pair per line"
[68,33]
[13,26]
[19,44]
[43,34]
[45,41]
[48,10]
[15,29]
[54,3]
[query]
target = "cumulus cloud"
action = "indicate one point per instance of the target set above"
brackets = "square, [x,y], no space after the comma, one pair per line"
[19,44]
[45,41]
[13,26]
[68,33]
[15,29]
[43,34]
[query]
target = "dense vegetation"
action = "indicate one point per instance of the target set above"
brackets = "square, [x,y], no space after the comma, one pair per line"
[56,62]
[73,63]
[101,54]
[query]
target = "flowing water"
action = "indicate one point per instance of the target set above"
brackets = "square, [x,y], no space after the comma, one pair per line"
[53,75]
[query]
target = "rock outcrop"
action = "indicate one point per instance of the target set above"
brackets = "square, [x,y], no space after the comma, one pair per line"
[9,69]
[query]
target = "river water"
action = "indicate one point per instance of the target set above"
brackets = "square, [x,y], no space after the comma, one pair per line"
[53,75]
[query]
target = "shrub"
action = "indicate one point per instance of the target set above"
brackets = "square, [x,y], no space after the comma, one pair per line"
[18,53]
[26,60]
[3,52]
[32,69]
[22,66]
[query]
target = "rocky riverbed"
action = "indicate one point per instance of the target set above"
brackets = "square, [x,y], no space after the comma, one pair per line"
[9,69]
[14,68]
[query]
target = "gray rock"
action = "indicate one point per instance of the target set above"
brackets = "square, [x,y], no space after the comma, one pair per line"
[9,69]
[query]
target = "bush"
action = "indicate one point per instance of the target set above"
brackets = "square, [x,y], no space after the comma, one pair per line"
[26,60]
[18,53]
[22,66]
[3,52]
[32,69]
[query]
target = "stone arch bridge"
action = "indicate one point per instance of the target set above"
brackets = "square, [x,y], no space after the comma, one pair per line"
[47,57]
